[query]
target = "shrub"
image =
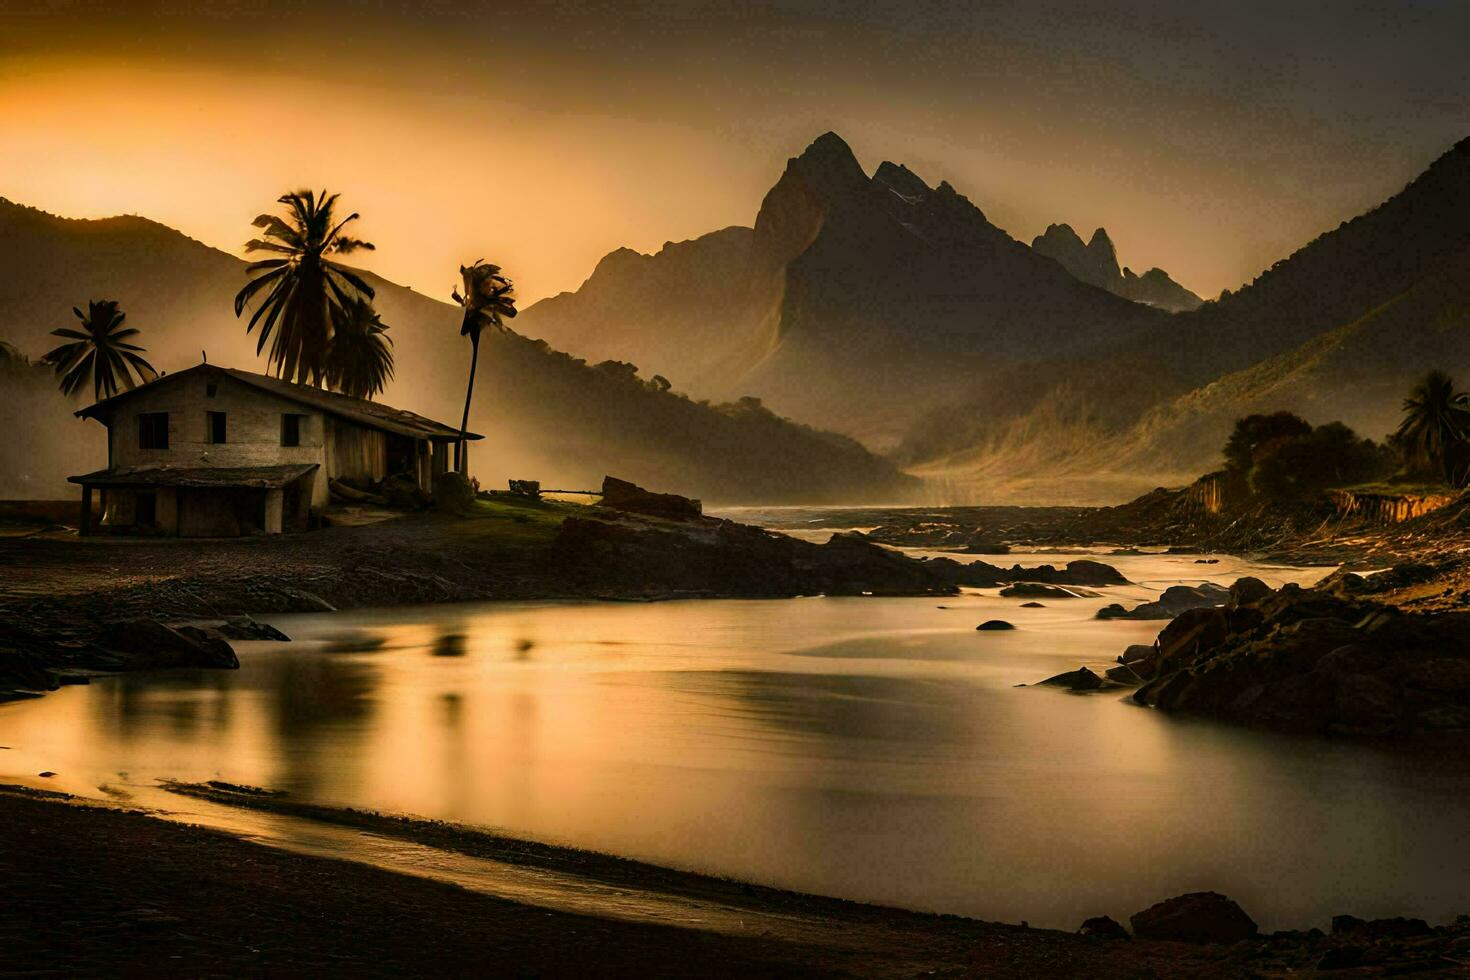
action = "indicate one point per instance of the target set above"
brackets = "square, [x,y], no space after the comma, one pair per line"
[1254,432]
[453,493]
[1330,455]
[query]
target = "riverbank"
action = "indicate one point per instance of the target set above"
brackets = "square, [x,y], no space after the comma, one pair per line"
[70,606]
[99,891]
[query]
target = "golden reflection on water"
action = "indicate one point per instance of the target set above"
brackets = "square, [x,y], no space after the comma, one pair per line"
[871,748]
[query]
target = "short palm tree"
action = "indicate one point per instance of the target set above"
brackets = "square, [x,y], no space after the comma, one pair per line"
[488,301]
[1435,420]
[100,351]
[360,353]
[303,288]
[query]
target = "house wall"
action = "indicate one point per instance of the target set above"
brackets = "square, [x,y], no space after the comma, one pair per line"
[252,434]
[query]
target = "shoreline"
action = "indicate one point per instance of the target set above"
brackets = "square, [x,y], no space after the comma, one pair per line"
[135,893]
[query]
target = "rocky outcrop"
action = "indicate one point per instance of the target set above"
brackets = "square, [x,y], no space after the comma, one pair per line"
[631,498]
[1080,679]
[1156,288]
[1389,508]
[995,625]
[1198,917]
[1175,600]
[1312,661]
[1102,927]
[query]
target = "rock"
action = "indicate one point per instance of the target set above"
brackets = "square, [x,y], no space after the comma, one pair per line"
[46,775]
[995,624]
[246,628]
[622,495]
[149,644]
[1198,917]
[1175,600]
[1102,927]
[1123,674]
[1033,605]
[1395,928]
[1137,651]
[1080,679]
[1029,589]
[1248,591]
[1207,561]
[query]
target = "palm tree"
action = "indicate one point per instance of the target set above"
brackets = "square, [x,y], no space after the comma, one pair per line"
[306,288]
[1434,422]
[488,300]
[360,354]
[100,351]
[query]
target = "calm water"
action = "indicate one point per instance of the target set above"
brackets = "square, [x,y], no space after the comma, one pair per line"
[876,749]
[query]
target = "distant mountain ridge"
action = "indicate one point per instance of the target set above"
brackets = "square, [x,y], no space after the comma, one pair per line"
[545,414]
[1096,262]
[1338,330]
[859,303]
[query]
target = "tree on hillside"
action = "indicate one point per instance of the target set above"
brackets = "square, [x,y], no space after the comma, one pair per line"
[1255,432]
[1434,425]
[488,300]
[360,354]
[304,289]
[100,351]
[1331,455]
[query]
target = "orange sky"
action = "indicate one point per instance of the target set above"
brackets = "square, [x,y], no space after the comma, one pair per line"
[544,135]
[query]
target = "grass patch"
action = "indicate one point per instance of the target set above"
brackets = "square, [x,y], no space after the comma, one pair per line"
[516,520]
[1402,489]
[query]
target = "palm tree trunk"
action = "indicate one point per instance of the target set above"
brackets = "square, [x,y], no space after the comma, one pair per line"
[464,424]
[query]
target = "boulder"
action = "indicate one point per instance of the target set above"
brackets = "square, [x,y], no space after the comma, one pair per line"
[995,624]
[1198,917]
[1037,590]
[1102,927]
[1033,605]
[622,495]
[147,644]
[1123,674]
[1080,679]
[1248,591]
[1175,600]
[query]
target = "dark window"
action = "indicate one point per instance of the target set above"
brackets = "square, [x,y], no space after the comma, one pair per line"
[214,427]
[291,429]
[210,390]
[153,430]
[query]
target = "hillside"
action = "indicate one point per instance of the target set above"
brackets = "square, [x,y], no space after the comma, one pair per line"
[545,415]
[1337,330]
[858,303]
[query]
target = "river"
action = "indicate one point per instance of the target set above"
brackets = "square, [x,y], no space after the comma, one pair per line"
[870,748]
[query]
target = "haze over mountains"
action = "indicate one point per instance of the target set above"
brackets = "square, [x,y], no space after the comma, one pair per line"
[876,306]
[545,414]
[856,303]
[898,314]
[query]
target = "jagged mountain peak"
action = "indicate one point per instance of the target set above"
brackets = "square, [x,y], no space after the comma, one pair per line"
[1102,246]
[901,180]
[828,166]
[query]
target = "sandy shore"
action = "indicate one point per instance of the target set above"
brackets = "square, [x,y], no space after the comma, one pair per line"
[93,891]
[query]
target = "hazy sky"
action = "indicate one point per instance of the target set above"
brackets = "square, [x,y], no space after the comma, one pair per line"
[1210,139]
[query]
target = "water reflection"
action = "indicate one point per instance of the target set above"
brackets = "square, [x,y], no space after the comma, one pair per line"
[870,748]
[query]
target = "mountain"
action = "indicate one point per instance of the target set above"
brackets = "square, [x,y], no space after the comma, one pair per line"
[855,302]
[1338,330]
[1096,263]
[545,414]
